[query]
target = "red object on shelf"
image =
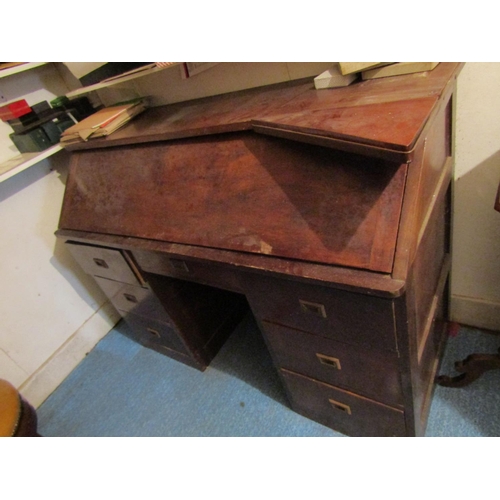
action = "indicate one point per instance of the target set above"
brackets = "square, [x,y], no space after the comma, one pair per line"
[14,110]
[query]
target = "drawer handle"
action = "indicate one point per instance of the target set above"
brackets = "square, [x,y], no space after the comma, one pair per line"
[156,333]
[179,265]
[131,298]
[101,263]
[328,360]
[340,406]
[313,308]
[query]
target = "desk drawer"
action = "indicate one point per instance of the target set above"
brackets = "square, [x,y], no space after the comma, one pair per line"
[103,262]
[192,270]
[353,318]
[372,374]
[155,334]
[133,299]
[341,410]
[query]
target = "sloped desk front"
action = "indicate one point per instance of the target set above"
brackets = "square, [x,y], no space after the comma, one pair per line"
[324,211]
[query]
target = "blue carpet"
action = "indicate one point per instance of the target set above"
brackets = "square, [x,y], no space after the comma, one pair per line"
[123,389]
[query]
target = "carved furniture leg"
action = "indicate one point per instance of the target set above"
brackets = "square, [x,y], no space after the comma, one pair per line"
[471,368]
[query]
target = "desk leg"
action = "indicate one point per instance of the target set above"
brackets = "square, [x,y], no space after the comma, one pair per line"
[471,368]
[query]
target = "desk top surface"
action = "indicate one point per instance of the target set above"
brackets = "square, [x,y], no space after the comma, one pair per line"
[386,113]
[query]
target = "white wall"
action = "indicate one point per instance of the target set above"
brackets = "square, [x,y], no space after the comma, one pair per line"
[51,312]
[476,228]
[168,86]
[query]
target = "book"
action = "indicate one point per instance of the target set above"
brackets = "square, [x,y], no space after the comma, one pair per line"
[401,68]
[14,110]
[118,122]
[333,78]
[103,122]
[346,68]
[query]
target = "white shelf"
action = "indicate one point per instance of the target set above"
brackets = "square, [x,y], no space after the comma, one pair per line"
[18,69]
[116,80]
[24,161]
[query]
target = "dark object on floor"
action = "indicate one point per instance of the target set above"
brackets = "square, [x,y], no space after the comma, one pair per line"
[17,417]
[471,368]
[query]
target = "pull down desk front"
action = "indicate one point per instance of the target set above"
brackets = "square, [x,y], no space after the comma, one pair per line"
[326,212]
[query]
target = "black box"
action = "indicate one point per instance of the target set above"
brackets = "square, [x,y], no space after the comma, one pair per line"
[55,127]
[41,107]
[80,107]
[18,124]
[43,117]
[33,141]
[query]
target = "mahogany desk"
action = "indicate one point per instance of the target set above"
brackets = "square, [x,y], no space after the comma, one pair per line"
[326,212]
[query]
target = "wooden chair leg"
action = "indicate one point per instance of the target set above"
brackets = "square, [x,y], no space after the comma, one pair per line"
[28,421]
[17,417]
[471,368]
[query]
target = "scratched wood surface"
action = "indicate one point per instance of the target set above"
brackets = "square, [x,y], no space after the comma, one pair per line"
[243,192]
[383,113]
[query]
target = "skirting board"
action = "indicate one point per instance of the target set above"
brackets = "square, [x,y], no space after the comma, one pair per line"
[38,387]
[474,312]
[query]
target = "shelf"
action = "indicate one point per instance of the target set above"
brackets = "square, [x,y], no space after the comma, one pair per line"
[116,80]
[19,69]
[24,161]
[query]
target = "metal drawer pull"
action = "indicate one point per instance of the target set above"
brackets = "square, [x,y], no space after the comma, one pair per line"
[156,333]
[340,406]
[179,265]
[328,360]
[101,263]
[313,308]
[131,298]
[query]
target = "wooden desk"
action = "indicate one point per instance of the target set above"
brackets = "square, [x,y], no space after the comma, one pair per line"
[327,212]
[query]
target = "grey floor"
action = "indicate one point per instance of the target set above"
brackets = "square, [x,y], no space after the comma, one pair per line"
[124,389]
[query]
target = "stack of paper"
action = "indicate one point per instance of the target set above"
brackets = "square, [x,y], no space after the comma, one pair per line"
[349,68]
[344,73]
[102,123]
[333,78]
[396,69]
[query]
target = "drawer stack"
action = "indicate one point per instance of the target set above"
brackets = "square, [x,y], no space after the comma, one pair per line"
[145,315]
[127,290]
[185,321]
[336,353]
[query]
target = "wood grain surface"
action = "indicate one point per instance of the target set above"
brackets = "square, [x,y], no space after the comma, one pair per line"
[384,113]
[242,192]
